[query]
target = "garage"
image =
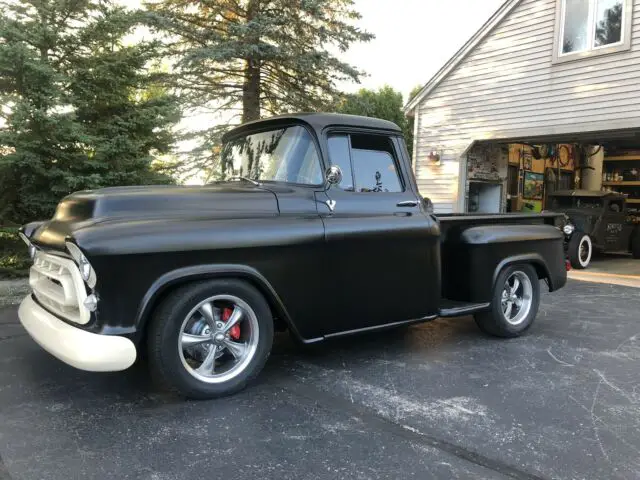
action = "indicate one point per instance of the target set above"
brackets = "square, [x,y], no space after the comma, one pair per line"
[594,180]
[526,118]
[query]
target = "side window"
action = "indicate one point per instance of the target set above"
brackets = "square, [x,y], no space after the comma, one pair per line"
[616,205]
[339,155]
[374,165]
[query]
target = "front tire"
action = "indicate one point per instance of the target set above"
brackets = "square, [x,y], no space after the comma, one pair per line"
[210,339]
[515,302]
[580,250]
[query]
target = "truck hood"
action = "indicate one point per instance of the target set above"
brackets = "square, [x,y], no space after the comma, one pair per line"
[84,209]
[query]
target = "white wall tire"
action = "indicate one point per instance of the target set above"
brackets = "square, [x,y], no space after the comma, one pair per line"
[580,250]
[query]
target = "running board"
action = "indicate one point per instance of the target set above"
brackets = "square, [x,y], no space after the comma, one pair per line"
[454,308]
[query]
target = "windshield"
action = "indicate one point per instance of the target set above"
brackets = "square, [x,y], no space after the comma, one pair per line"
[284,155]
[576,202]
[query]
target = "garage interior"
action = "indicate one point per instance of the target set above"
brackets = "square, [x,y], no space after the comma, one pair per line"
[519,175]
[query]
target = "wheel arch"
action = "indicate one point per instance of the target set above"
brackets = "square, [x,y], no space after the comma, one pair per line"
[182,276]
[533,259]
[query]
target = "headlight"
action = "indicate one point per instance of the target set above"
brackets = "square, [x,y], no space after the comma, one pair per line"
[91,303]
[568,229]
[32,248]
[86,270]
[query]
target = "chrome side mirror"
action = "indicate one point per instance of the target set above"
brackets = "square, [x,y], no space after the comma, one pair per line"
[333,175]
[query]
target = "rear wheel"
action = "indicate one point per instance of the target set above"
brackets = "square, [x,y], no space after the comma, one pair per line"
[210,339]
[580,250]
[515,302]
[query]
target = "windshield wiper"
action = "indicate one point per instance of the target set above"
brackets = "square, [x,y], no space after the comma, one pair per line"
[246,179]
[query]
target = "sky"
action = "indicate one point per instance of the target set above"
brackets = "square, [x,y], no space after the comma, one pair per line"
[414,38]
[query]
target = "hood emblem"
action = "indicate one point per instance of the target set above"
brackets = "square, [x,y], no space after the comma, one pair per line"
[331,204]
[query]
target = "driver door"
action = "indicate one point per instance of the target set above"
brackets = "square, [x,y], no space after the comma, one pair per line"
[382,249]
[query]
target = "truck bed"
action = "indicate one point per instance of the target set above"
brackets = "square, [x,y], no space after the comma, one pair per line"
[457,222]
[474,246]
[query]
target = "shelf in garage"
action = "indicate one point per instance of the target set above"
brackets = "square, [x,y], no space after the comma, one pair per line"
[623,184]
[622,158]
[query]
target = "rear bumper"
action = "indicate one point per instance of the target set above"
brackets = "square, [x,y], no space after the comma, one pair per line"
[74,346]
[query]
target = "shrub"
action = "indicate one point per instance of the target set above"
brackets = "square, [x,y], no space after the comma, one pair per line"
[14,257]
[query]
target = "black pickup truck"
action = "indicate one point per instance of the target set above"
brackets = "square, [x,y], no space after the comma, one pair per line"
[321,232]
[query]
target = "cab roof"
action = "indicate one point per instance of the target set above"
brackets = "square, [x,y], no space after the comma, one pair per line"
[317,121]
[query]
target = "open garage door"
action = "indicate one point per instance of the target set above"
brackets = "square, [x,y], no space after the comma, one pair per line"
[594,179]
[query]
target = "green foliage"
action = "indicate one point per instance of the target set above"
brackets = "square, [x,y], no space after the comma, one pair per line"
[82,108]
[414,91]
[385,103]
[245,59]
[14,257]
[411,120]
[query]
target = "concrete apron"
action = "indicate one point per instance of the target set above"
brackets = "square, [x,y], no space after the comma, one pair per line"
[610,278]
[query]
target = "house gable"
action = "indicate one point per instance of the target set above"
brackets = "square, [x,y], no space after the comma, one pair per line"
[495,19]
[504,84]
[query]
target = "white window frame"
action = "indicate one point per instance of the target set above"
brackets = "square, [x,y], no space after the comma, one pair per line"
[592,51]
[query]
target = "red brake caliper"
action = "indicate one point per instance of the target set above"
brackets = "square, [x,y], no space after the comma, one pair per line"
[235,330]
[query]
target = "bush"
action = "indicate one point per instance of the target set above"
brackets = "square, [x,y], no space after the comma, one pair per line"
[14,256]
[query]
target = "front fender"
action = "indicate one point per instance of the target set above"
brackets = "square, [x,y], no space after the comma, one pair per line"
[180,276]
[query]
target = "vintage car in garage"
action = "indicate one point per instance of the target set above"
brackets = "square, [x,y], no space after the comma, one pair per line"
[595,222]
[319,230]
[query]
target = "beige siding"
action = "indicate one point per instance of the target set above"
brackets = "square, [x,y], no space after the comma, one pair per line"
[508,87]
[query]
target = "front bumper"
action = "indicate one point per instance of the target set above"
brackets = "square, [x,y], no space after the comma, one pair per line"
[74,346]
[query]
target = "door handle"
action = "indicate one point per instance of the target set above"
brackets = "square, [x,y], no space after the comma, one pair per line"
[408,203]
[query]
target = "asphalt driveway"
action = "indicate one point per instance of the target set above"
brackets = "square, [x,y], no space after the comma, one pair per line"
[438,400]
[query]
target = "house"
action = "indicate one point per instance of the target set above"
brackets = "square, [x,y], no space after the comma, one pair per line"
[545,95]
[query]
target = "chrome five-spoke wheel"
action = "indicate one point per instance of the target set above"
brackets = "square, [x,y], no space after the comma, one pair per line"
[514,302]
[210,338]
[218,338]
[516,298]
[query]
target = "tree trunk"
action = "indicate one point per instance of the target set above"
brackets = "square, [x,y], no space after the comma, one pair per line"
[251,91]
[251,87]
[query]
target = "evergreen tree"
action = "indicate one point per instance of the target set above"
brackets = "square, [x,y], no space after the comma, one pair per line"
[80,108]
[254,58]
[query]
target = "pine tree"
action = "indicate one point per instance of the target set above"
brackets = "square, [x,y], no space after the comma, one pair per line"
[254,58]
[80,109]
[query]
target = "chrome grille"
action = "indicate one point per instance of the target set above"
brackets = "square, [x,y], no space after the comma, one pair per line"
[58,286]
